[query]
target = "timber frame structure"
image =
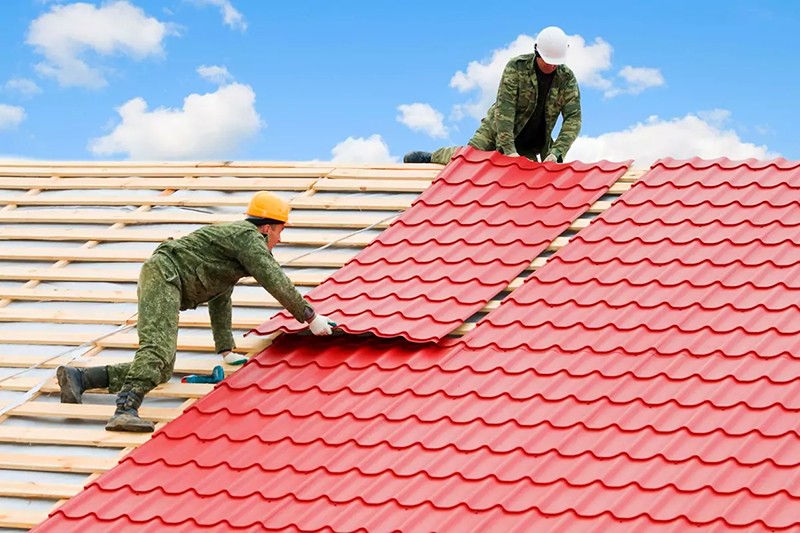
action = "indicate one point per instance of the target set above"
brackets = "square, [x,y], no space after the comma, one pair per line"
[72,238]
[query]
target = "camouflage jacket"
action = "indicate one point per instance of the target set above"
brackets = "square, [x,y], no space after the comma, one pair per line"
[516,102]
[209,261]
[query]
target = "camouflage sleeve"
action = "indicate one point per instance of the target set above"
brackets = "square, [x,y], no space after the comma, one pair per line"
[505,109]
[219,310]
[571,127]
[256,258]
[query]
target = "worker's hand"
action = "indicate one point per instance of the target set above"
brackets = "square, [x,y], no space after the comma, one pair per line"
[513,154]
[233,358]
[321,325]
[551,158]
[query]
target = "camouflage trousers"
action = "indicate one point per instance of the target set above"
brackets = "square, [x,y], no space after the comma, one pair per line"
[484,139]
[157,325]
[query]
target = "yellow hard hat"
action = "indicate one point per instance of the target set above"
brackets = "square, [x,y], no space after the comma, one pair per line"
[267,205]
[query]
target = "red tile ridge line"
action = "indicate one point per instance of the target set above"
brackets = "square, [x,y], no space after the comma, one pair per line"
[601,301]
[711,203]
[197,525]
[641,183]
[443,260]
[328,529]
[524,479]
[549,399]
[583,260]
[505,203]
[422,297]
[426,503]
[571,302]
[483,448]
[488,223]
[635,373]
[524,185]
[362,295]
[499,160]
[726,164]
[729,242]
[599,351]
[480,420]
[501,285]
[374,330]
[713,262]
[656,221]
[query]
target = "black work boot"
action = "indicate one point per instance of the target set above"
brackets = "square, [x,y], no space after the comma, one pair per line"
[126,417]
[417,157]
[75,381]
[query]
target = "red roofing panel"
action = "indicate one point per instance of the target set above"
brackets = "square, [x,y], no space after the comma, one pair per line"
[480,224]
[307,436]
[662,397]
[714,273]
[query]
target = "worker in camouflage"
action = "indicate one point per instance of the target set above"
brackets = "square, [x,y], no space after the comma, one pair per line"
[202,267]
[533,91]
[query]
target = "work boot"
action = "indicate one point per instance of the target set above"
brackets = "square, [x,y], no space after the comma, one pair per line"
[126,417]
[75,381]
[417,157]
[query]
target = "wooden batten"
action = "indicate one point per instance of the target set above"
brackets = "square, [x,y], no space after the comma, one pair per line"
[56,463]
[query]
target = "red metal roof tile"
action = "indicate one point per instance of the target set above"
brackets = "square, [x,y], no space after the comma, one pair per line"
[631,384]
[671,276]
[480,224]
[397,433]
[291,514]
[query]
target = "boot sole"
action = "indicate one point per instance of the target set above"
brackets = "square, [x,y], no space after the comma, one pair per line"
[67,394]
[130,429]
[130,426]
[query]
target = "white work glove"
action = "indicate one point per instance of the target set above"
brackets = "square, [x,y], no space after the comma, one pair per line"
[233,358]
[321,325]
[551,158]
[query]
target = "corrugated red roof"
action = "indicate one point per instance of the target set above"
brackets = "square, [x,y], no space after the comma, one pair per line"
[605,394]
[480,224]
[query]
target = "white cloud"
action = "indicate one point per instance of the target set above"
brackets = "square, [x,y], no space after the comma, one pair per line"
[66,33]
[637,79]
[11,116]
[424,118]
[215,74]
[230,15]
[681,138]
[591,64]
[209,125]
[484,76]
[363,151]
[23,86]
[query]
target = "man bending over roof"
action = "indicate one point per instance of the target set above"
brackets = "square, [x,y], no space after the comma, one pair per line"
[181,274]
[534,89]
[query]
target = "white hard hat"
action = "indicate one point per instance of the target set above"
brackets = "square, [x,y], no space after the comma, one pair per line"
[552,45]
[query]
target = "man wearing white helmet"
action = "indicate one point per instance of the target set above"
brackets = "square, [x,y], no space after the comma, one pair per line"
[534,90]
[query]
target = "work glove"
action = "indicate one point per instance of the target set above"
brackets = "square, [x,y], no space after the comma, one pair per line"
[551,158]
[513,154]
[233,358]
[321,325]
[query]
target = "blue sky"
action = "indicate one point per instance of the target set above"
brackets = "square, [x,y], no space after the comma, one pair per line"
[366,81]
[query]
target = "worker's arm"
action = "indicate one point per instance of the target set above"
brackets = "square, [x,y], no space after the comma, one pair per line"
[505,109]
[219,310]
[255,257]
[571,127]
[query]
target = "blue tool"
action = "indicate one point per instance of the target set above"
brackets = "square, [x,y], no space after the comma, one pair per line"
[217,375]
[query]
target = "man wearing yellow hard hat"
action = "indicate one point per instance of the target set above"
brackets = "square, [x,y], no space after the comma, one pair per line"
[181,274]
